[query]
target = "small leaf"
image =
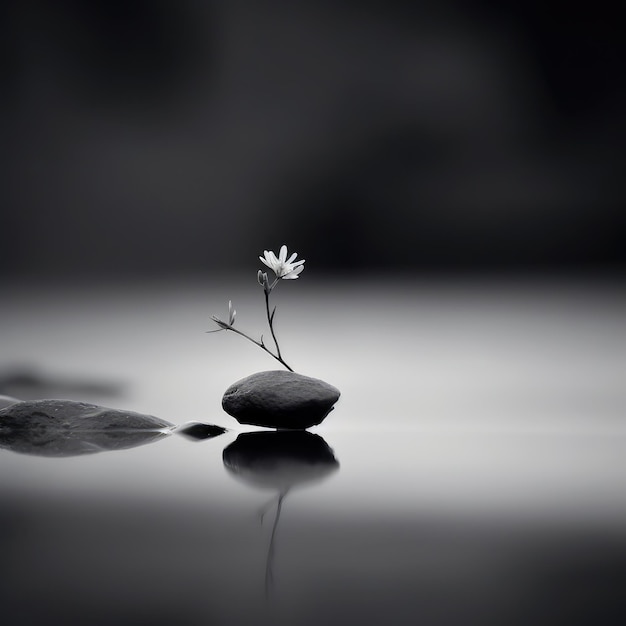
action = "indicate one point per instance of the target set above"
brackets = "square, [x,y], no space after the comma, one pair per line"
[220,323]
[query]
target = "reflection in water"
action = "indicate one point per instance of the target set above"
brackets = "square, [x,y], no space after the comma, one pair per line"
[75,443]
[281,461]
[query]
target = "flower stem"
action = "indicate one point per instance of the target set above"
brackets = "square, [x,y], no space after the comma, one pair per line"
[256,343]
[270,321]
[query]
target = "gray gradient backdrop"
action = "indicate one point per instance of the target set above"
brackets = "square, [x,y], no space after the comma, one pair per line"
[453,175]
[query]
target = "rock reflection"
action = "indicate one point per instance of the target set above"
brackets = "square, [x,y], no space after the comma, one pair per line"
[280,461]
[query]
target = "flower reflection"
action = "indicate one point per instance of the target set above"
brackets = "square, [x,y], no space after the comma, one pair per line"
[280,461]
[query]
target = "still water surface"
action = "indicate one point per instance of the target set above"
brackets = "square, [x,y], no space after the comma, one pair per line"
[473,470]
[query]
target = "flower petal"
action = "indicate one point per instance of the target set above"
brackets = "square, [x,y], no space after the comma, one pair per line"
[293,273]
[283,253]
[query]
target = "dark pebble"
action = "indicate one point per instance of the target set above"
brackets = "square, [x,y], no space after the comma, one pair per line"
[280,399]
[198,431]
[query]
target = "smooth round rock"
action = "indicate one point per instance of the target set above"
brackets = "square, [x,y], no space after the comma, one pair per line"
[280,399]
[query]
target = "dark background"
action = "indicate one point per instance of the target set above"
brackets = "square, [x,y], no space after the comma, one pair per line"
[172,138]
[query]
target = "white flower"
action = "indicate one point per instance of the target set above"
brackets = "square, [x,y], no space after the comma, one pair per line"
[281,266]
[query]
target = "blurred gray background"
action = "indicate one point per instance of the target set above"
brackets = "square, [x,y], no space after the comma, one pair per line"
[481,426]
[170,138]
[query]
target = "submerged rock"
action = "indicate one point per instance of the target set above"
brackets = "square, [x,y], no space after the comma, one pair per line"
[280,399]
[7,401]
[67,428]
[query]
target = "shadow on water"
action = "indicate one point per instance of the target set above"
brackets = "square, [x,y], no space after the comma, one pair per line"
[31,383]
[279,461]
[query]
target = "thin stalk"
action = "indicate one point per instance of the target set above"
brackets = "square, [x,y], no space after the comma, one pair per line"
[270,321]
[226,326]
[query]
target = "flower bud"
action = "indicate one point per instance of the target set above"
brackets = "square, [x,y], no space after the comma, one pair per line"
[264,281]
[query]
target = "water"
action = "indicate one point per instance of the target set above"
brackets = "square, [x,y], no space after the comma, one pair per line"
[472,471]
